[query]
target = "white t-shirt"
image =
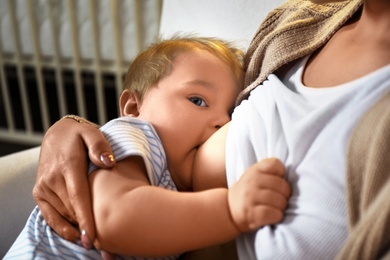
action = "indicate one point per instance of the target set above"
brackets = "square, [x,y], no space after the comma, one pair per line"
[308,130]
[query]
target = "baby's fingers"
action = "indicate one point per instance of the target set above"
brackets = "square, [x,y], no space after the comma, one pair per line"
[264,215]
[271,166]
[272,183]
[265,208]
[271,199]
[269,174]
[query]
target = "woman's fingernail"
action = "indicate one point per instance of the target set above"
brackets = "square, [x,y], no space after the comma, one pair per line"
[85,240]
[107,159]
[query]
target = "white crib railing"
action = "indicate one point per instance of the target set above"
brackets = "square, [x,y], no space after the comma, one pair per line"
[61,57]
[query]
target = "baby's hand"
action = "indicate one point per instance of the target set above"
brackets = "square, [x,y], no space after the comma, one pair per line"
[260,196]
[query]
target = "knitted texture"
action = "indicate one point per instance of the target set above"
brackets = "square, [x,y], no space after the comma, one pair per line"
[291,31]
[368,186]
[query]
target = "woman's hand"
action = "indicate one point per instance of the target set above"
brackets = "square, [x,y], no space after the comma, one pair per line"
[61,189]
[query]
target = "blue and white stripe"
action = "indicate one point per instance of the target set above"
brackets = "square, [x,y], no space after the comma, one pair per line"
[131,136]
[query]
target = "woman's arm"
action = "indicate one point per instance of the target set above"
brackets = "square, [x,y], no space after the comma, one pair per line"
[134,218]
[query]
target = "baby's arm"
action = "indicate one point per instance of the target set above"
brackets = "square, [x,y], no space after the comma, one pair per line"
[134,218]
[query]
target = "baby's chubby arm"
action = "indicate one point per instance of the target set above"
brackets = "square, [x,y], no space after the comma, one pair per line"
[134,218]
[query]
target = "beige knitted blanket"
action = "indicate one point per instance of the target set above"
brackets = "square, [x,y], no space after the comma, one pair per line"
[368,186]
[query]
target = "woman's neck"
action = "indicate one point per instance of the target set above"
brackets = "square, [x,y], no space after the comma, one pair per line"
[375,22]
[358,48]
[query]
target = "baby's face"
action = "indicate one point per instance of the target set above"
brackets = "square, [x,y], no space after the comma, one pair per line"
[188,106]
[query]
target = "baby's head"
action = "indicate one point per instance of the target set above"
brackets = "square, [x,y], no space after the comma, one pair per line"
[186,88]
[155,62]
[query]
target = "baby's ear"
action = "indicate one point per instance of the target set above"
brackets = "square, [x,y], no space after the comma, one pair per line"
[129,104]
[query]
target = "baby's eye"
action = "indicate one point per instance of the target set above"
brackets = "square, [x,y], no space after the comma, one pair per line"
[198,101]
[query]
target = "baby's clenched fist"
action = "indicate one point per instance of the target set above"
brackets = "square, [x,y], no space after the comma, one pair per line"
[260,196]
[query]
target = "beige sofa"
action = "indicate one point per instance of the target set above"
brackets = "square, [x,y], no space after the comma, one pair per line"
[17,177]
[233,20]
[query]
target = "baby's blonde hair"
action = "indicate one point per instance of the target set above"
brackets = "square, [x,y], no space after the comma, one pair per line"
[154,63]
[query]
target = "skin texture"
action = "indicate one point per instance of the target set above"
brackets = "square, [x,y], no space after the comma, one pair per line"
[211,173]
